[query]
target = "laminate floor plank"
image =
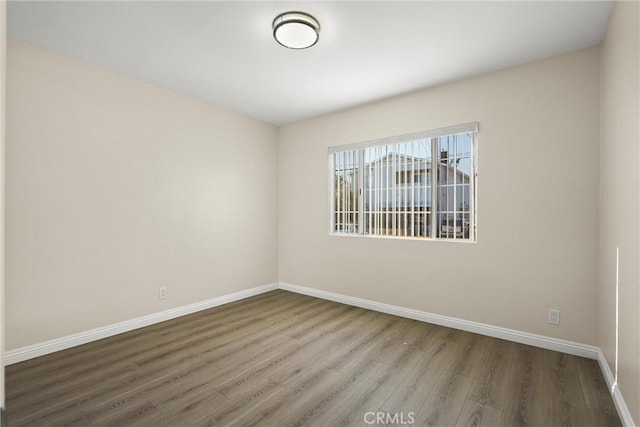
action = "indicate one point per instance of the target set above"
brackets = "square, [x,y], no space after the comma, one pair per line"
[315,382]
[168,388]
[333,352]
[308,385]
[524,396]
[232,364]
[563,390]
[415,388]
[111,355]
[222,355]
[310,408]
[491,379]
[230,330]
[247,316]
[66,389]
[404,333]
[474,413]
[270,366]
[135,413]
[86,393]
[596,394]
[372,337]
[224,368]
[274,327]
[189,399]
[55,418]
[372,393]
[444,404]
[327,348]
[234,409]
[316,324]
[281,359]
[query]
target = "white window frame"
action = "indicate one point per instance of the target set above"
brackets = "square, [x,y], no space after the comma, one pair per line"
[400,140]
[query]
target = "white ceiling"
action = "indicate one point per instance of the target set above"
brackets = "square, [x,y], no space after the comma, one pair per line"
[224,53]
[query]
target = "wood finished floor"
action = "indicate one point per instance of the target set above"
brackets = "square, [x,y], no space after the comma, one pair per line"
[283,359]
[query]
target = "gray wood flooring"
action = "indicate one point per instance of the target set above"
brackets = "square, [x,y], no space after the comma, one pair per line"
[283,359]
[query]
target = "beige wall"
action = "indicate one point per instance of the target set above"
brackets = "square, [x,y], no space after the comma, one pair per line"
[537,204]
[3,33]
[619,198]
[115,188]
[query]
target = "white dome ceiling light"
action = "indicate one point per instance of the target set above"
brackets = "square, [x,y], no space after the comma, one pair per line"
[296,30]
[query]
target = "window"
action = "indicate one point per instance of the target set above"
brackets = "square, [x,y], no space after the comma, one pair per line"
[421,185]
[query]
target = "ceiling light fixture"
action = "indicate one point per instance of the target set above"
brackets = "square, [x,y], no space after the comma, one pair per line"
[296,30]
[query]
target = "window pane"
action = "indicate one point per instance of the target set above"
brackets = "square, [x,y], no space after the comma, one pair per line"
[345,188]
[397,197]
[464,169]
[463,145]
[463,198]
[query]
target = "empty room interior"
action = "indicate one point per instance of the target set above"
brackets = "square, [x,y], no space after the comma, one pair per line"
[320,213]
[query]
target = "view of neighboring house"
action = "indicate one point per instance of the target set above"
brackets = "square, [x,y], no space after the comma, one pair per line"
[397,193]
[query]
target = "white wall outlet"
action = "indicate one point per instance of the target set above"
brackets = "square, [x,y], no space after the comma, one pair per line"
[162,293]
[554,317]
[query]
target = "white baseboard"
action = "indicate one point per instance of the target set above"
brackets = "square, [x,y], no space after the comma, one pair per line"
[556,344]
[621,406]
[40,349]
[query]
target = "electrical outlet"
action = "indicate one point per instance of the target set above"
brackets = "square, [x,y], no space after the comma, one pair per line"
[554,317]
[162,292]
